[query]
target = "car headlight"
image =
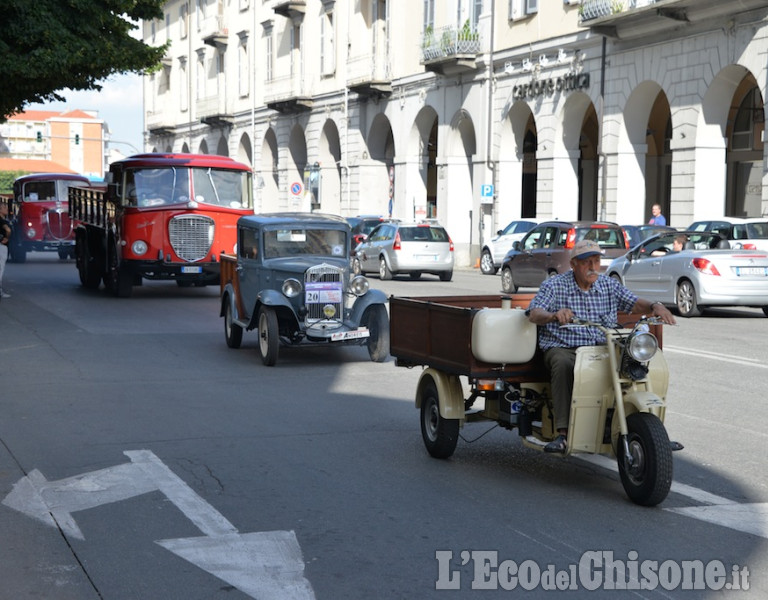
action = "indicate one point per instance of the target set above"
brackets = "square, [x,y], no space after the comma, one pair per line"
[31,233]
[329,310]
[359,285]
[139,247]
[291,288]
[642,346]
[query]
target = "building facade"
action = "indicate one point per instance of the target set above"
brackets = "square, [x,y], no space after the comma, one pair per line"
[72,139]
[473,112]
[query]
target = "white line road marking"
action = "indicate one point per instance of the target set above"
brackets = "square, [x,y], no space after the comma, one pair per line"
[262,564]
[739,360]
[749,518]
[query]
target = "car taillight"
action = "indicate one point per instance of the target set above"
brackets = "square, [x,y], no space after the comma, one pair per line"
[396,244]
[749,246]
[705,266]
[570,240]
[450,244]
[626,238]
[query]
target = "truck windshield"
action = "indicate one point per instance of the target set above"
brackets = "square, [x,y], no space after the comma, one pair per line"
[171,185]
[36,191]
[315,242]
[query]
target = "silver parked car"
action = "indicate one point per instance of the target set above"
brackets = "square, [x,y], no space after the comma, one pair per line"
[396,247]
[751,234]
[493,253]
[693,270]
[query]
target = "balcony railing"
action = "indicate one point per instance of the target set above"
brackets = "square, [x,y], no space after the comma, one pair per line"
[448,42]
[595,9]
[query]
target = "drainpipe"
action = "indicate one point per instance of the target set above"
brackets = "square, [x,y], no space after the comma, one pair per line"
[489,116]
[600,154]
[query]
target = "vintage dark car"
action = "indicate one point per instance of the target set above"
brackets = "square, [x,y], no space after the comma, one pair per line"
[291,282]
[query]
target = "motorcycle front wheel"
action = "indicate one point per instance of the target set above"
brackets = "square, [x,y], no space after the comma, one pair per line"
[649,476]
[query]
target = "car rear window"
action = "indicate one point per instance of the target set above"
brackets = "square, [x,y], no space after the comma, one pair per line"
[423,234]
[606,237]
[757,231]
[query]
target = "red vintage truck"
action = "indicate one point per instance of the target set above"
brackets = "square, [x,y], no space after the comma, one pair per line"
[162,216]
[40,217]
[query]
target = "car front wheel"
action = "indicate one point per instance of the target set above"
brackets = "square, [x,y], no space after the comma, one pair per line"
[486,263]
[507,283]
[269,341]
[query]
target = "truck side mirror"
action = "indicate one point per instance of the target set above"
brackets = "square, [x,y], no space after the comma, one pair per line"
[113,190]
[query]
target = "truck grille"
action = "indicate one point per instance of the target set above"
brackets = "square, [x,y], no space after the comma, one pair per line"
[59,224]
[191,236]
[315,310]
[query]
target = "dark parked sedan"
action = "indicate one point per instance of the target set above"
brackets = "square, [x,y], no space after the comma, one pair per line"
[545,250]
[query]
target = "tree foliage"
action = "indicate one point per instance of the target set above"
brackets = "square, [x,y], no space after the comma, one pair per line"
[50,45]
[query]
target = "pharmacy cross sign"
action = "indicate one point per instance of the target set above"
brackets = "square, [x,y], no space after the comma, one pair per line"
[262,564]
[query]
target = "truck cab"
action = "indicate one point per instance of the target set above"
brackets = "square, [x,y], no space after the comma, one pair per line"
[162,217]
[39,215]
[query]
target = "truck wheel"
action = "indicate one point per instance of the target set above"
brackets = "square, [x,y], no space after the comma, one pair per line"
[384,272]
[19,253]
[90,276]
[648,479]
[377,321]
[440,435]
[232,331]
[117,279]
[486,263]
[269,341]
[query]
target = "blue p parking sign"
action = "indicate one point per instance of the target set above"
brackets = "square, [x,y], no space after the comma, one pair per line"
[486,192]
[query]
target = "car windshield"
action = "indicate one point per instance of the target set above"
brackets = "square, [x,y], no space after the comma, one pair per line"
[605,237]
[757,231]
[305,241]
[423,234]
[171,185]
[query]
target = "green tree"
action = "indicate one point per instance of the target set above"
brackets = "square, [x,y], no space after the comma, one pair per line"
[49,45]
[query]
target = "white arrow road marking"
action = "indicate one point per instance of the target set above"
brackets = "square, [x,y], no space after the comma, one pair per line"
[749,518]
[263,565]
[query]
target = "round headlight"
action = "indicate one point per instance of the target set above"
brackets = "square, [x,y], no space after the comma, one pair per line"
[291,288]
[139,247]
[359,285]
[329,310]
[31,233]
[642,346]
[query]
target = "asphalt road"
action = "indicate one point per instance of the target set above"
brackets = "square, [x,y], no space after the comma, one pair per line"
[141,458]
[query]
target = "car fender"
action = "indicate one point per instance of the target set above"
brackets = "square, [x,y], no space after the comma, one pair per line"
[449,391]
[363,302]
[228,297]
[280,303]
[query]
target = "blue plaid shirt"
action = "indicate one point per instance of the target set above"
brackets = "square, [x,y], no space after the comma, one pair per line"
[600,303]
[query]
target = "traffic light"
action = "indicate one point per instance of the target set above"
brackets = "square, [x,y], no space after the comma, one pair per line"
[39,136]
[77,138]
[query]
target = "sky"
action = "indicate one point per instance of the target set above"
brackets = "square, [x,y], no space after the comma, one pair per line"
[119,105]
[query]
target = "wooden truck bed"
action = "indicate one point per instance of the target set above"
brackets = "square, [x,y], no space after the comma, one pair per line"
[436,331]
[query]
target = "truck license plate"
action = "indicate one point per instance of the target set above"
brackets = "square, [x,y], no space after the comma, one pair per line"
[362,332]
[191,269]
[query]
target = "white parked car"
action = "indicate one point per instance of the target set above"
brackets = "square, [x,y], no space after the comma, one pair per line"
[750,234]
[494,251]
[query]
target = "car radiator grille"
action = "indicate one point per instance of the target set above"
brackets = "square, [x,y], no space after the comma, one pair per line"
[323,274]
[191,236]
[59,224]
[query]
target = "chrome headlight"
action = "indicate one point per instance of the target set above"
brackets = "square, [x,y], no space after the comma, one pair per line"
[31,233]
[139,247]
[642,346]
[291,288]
[359,285]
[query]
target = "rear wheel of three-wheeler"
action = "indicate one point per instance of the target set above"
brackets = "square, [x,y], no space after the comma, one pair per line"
[377,322]
[232,331]
[648,479]
[440,434]
[269,335]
